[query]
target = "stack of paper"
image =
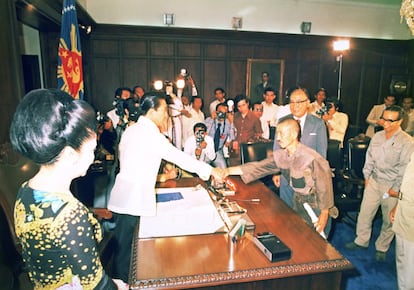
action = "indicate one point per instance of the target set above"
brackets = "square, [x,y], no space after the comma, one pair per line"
[181,211]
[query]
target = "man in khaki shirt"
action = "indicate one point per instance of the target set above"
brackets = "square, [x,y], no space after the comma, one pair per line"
[387,157]
[402,217]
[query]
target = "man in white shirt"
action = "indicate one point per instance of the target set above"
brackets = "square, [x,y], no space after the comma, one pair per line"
[270,111]
[336,122]
[123,94]
[319,103]
[374,117]
[200,145]
[258,111]
[220,96]
[195,115]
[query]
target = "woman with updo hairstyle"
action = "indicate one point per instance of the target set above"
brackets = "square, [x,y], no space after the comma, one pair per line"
[58,234]
[141,149]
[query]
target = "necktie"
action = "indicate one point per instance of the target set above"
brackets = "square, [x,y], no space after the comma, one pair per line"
[300,125]
[217,137]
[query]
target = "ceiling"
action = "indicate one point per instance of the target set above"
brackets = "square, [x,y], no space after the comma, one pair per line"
[346,18]
[374,2]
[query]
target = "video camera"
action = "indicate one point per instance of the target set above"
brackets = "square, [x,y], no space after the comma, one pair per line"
[130,104]
[120,106]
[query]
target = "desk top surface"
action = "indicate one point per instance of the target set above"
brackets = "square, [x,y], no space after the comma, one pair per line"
[207,260]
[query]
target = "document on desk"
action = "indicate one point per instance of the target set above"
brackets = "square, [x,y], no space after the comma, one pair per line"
[180,212]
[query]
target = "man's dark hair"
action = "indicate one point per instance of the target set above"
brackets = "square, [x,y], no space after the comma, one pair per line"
[395,108]
[322,90]
[241,97]
[200,125]
[118,91]
[219,89]
[138,86]
[255,103]
[270,89]
[338,104]
[221,105]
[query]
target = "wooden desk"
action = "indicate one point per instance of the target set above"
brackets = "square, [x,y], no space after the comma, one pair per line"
[209,261]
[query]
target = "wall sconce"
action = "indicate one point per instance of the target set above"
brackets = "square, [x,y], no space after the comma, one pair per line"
[305,27]
[169,18]
[87,29]
[236,22]
[341,46]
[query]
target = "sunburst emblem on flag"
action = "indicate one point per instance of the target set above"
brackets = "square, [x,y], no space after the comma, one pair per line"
[70,66]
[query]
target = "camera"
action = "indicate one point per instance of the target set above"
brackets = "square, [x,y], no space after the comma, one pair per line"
[199,136]
[120,106]
[101,118]
[132,106]
[184,73]
[324,110]
[221,115]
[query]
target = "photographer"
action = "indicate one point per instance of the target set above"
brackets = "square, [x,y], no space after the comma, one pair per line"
[336,122]
[132,110]
[318,106]
[189,89]
[106,138]
[118,114]
[221,129]
[200,145]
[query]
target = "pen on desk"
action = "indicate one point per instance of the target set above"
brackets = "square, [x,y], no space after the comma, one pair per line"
[248,200]
[236,212]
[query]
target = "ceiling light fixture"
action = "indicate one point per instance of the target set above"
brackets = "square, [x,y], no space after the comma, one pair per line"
[305,27]
[169,19]
[237,22]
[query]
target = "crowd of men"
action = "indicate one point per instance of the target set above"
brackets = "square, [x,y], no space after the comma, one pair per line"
[299,162]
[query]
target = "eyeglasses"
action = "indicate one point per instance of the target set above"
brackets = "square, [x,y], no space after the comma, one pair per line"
[389,120]
[298,102]
[258,110]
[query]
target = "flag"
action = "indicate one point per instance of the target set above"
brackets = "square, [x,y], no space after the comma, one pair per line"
[69,71]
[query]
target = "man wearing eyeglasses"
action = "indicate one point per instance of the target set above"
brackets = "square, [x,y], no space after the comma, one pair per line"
[387,156]
[374,121]
[313,135]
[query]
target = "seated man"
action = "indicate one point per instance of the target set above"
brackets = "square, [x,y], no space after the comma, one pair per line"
[200,145]
[307,171]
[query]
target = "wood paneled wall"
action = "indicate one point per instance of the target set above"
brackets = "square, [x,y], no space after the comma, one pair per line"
[126,56]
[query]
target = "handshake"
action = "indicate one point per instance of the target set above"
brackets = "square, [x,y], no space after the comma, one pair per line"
[219,176]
